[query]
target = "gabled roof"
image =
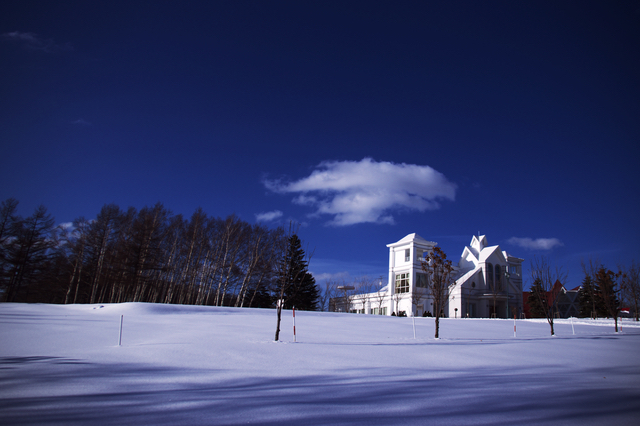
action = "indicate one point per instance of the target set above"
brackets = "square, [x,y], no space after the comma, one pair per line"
[471,251]
[479,251]
[478,243]
[488,252]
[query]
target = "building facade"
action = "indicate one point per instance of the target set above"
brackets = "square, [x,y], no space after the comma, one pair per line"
[567,301]
[488,283]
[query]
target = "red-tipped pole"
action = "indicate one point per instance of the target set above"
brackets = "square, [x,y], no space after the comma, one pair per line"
[294,323]
[514,325]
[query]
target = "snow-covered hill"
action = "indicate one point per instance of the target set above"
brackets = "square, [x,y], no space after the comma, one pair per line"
[61,365]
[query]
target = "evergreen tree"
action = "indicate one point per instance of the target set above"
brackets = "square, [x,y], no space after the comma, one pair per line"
[538,303]
[301,292]
[606,280]
[261,299]
[590,299]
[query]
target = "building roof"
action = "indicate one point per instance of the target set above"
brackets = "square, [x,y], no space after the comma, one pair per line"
[412,238]
[488,251]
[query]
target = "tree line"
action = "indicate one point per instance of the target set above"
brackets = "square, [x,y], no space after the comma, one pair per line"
[603,293]
[147,255]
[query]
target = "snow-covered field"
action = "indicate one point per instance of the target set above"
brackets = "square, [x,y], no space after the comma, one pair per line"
[186,365]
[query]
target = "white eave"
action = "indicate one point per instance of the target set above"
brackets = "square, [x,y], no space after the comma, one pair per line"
[413,238]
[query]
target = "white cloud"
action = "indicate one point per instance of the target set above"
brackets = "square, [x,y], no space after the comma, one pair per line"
[66,226]
[326,276]
[537,244]
[81,122]
[367,191]
[33,41]
[268,216]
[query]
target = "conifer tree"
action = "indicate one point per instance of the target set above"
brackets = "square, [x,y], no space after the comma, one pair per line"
[302,292]
[607,281]
[538,304]
[296,287]
[590,299]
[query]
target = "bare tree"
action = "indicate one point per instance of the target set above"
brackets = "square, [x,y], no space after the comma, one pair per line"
[547,277]
[380,295]
[631,287]
[77,243]
[254,256]
[7,219]
[439,271]
[364,287]
[344,296]
[28,250]
[417,296]
[100,238]
[327,294]
[397,297]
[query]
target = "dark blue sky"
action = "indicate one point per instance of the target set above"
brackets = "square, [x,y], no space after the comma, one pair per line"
[518,121]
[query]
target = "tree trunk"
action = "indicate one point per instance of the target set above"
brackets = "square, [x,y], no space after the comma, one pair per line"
[279,315]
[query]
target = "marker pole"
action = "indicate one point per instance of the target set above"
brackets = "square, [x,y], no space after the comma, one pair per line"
[414,328]
[121,321]
[514,326]
[294,324]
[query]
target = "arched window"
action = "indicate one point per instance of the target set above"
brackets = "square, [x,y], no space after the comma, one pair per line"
[490,275]
[498,277]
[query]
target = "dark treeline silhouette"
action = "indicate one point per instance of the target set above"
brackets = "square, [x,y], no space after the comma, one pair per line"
[146,255]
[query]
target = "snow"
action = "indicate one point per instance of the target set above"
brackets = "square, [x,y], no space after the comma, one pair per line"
[61,365]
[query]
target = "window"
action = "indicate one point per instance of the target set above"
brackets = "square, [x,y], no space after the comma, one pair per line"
[514,270]
[490,274]
[402,283]
[407,255]
[498,277]
[421,280]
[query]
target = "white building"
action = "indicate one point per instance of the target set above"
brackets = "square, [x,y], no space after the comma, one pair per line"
[488,282]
